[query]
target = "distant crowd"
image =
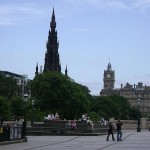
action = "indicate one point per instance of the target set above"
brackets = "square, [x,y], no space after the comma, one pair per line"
[103,121]
[71,124]
[86,119]
[51,116]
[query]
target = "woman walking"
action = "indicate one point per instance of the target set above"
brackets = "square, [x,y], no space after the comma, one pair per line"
[110,131]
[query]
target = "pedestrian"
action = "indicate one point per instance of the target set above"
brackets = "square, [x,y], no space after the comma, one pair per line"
[68,124]
[57,116]
[119,132]
[110,131]
[74,124]
[84,118]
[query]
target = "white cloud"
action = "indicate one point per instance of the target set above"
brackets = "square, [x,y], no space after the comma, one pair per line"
[14,14]
[140,3]
[69,1]
[143,6]
[81,30]
[17,13]
[119,5]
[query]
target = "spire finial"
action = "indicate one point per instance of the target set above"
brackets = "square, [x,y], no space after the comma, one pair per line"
[53,23]
[109,65]
[53,12]
[36,72]
[66,71]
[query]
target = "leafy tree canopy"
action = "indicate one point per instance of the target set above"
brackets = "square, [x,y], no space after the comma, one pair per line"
[17,106]
[4,108]
[58,93]
[111,106]
[8,87]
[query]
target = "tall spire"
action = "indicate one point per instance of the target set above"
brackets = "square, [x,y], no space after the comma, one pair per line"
[36,72]
[53,22]
[109,66]
[52,61]
[66,71]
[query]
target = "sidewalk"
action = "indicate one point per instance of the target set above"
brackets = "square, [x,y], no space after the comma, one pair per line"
[132,140]
[12,142]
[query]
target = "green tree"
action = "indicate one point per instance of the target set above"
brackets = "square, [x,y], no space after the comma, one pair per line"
[123,107]
[104,107]
[111,106]
[57,93]
[17,106]
[8,87]
[134,112]
[5,113]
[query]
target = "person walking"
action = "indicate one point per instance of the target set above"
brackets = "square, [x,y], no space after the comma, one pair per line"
[110,131]
[119,132]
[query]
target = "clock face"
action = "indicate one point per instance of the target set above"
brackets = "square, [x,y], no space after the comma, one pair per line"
[108,76]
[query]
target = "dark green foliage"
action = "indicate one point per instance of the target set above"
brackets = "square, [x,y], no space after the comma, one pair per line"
[4,108]
[104,107]
[58,93]
[94,116]
[111,106]
[123,106]
[54,92]
[8,87]
[134,113]
[17,106]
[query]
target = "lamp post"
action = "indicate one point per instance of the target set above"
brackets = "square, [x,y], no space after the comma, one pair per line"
[24,122]
[139,117]
[32,119]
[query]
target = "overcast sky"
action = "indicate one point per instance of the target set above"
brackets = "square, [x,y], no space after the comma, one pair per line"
[90,33]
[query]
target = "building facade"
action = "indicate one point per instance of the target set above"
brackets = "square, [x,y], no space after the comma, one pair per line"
[21,81]
[133,93]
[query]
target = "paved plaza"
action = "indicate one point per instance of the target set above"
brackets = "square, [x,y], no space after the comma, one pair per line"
[132,140]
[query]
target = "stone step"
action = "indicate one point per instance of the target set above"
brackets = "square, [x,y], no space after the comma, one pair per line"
[64,130]
[59,127]
[62,124]
[41,133]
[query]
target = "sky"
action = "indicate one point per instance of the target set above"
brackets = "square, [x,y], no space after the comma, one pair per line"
[91,34]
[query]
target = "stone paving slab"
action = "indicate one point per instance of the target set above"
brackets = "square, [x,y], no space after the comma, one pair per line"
[132,140]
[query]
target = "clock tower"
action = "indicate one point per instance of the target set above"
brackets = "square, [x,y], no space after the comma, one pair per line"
[109,77]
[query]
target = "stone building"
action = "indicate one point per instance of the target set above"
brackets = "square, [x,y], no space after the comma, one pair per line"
[133,93]
[21,81]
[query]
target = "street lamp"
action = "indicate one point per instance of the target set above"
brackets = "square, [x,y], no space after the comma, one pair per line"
[139,117]
[32,120]
[24,122]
